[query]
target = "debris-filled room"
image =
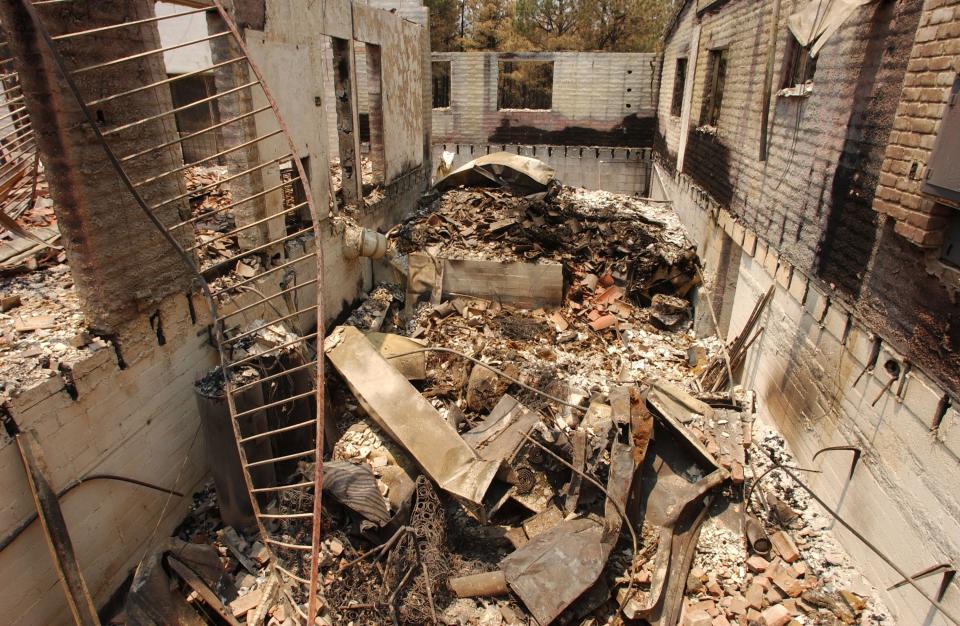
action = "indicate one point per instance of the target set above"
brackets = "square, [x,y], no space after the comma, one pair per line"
[479,312]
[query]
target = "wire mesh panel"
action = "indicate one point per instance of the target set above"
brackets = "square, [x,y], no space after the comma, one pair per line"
[241,218]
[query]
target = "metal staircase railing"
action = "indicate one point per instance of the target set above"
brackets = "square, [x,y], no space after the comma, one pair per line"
[288,515]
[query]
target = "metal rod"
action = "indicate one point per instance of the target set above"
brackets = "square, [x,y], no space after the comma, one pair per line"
[203,190]
[246,253]
[165,81]
[140,55]
[25,121]
[259,302]
[285,515]
[264,407]
[283,487]
[284,345]
[292,546]
[947,613]
[231,206]
[178,109]
[205,159]
[130,157]
[103,29]
[285,372]
[247,226]
[277,431]
[286,457]
[247,281]
[293,576]
[268,324]
[21,136]
[15,112]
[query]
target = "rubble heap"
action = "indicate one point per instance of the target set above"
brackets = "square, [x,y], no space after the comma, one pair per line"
[494,463]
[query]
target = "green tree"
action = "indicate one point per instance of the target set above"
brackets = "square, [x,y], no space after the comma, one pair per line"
[444,24]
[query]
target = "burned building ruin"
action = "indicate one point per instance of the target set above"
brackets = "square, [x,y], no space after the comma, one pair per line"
[304,323]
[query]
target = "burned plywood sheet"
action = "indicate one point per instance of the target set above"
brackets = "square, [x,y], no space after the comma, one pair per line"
[408,418]
[527,285]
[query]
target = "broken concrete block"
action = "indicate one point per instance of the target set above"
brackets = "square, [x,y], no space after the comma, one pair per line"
[720,620]
[408,418]
[784,545]
[776,615]
[788,584]
[754,596]
[246,603]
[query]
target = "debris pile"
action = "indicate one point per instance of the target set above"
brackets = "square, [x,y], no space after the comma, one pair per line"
[543,452]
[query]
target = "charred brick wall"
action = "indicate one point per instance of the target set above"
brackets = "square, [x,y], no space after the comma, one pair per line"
[812,199]
[934,66]
[599,99]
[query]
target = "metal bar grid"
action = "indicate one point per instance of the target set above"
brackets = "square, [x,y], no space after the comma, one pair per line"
[300,511]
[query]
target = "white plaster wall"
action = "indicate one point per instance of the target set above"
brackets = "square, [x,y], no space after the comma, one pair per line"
[178,30]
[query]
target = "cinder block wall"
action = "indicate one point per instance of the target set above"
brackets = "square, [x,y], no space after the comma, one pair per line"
[848,280]
[599,99]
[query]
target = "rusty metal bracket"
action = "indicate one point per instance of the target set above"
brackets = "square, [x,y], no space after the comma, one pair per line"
[857,453]
[948,571]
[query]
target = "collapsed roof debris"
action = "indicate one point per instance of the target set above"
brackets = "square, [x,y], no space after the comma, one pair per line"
[574,471]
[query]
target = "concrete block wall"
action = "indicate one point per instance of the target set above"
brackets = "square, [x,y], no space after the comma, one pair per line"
[139,421]
[806,368]
[599,99]
[618,170]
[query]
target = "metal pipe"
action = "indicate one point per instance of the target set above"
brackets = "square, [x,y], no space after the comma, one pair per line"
[285,372]
[245,253]
[261,301]
[264,407]
[236,204]
[267,325]
[292,546]
[247,281]
[277,459]
[283,345]
[285,428]
[283,487]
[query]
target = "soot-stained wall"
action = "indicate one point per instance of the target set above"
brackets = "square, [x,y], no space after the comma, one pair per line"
[812,199]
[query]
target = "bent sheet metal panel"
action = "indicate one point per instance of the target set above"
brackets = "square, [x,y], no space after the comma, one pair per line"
[408,417]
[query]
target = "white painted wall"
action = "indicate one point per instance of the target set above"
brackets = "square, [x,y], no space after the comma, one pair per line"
[178,30]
